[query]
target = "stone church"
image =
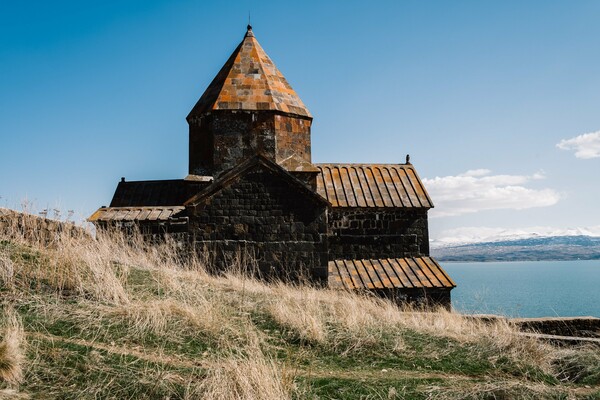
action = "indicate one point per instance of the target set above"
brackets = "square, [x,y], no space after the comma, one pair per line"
[252,187]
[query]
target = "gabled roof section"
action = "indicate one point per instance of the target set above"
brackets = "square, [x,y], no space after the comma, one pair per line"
[388,273]
[156,193]
[249,80]
[239,170]
[372,186]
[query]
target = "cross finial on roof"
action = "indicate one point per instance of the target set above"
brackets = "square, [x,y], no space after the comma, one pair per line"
[249,31]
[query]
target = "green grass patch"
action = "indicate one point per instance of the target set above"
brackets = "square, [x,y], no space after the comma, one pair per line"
[70,371]
[330,388]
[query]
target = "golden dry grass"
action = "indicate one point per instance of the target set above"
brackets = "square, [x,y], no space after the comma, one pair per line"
[159,294]
[248,376]
[11,348]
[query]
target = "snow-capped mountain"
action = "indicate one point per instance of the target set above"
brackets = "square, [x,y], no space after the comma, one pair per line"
[474,235]
[542,243]
[525,249]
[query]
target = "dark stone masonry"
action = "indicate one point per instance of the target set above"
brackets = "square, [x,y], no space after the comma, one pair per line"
[253,190]
[270,215]
[360,233]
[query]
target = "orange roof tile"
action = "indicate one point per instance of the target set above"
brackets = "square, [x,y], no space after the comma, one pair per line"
[388,273]
[372,186]
[249,80]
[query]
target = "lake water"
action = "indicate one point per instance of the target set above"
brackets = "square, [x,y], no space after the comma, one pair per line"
[527,289]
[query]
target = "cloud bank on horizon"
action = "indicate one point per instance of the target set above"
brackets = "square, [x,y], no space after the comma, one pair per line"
[586,146]
[478,190]
[480,234]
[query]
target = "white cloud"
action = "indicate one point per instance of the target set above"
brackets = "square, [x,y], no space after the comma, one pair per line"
[466,235]
[476,172]
[585,146]
[478,190]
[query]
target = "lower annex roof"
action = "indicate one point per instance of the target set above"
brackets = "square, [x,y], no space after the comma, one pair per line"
[110,214]
[388,273]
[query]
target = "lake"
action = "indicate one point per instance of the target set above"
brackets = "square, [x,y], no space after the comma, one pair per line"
[527,288]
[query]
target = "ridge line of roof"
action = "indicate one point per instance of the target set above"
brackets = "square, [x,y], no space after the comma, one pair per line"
[365,164]
[261,66]
[155,180]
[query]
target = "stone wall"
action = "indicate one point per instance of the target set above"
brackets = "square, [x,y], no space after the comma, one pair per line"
[221,140]
[261,215]
[377,233]
[565,326]
[418,298]
[176,228]
[292,137]
[15,224]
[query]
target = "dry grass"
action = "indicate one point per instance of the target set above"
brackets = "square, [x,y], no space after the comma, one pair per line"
[301,311]
[579,365]
[12,394]
[171,318]
[7,271]
[501,389]
[248,376]
[72,260]
[11,349]
[102,284]
[350,323]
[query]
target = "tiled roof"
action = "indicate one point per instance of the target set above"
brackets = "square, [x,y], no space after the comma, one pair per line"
[106,214]
[388,273]
[155,193]
[249,80]
[372,185]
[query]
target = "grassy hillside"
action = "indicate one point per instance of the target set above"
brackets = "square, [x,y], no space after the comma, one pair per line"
[104,319]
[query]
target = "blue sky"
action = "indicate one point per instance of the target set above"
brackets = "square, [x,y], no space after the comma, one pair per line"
[479,93]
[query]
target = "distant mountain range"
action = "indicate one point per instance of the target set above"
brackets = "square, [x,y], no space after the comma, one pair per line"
[579,247]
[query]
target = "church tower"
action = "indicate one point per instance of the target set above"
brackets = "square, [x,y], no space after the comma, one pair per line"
[249,108]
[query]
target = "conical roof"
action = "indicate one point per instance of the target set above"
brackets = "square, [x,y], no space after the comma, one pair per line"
[249,80]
